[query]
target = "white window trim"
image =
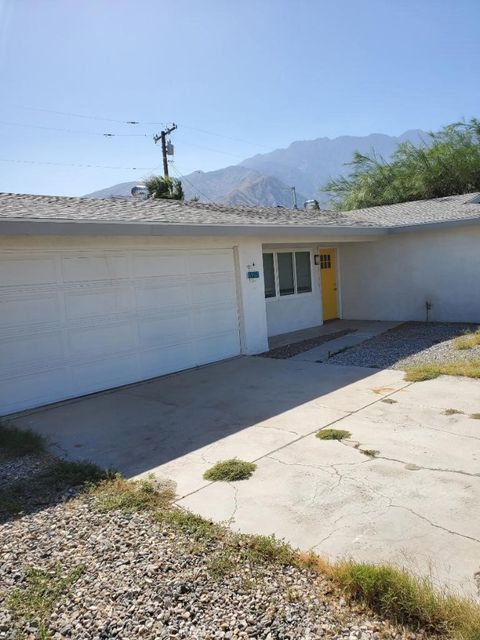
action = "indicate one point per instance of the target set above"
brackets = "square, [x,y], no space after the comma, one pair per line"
[303,294]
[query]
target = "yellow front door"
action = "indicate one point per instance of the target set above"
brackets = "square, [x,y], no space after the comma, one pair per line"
[328,282]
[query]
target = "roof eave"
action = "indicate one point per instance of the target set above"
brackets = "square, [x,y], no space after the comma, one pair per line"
[429,226]
[16,226]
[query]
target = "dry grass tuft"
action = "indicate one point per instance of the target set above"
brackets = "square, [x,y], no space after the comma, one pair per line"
[464,368]
[406,599]
[132,495]
[468,340]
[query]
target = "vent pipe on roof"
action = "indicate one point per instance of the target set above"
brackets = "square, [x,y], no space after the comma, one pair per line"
[140,192]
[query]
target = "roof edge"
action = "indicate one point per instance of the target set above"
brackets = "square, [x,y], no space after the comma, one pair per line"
[16,226]
[438,224]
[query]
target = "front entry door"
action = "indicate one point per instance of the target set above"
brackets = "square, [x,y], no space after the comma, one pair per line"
[328,282]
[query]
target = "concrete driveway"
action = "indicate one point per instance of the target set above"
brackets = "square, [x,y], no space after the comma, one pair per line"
[417,503]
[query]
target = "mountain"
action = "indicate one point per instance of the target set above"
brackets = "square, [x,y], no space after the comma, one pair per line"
[266,179]
[232,185]
[309,164]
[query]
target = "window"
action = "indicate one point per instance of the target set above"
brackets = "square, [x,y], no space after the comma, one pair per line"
[325,261]
[286,282]
[269,275]
[287,272]
[304,275]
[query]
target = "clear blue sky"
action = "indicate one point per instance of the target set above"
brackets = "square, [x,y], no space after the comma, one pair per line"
[265,72]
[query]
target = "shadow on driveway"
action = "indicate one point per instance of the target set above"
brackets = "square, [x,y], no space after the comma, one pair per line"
[140,427]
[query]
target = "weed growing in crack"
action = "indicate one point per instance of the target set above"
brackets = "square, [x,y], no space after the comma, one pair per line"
[333,434]
[371,453]
[230,470]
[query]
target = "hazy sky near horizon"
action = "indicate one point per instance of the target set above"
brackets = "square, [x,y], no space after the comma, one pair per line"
[239,78]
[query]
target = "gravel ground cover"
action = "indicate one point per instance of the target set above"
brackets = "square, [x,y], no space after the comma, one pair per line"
[14,469]
[140,578]
[290,350]
[410,344]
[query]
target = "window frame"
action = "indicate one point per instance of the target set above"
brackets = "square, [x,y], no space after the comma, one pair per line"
[294,268]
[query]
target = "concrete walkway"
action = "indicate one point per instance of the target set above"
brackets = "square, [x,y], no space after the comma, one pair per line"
[417,503]
[367,328]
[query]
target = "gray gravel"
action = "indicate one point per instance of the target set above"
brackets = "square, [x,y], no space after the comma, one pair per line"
[409,344]
[12,469]
[144,580]
[293,349]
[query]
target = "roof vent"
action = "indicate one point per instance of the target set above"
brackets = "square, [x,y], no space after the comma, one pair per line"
[140,192]
[311,204]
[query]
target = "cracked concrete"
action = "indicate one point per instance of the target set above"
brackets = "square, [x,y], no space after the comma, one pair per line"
[416,504]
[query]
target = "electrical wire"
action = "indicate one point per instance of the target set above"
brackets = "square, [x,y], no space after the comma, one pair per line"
[73,164]
[80,115]
[87,133]
[182,177]
[138,122]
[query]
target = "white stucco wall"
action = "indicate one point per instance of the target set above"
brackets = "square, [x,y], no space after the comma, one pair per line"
[295,312]
[392,278]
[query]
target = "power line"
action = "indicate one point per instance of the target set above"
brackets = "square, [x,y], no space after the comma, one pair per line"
[182,177]
[80,115]
[115,135]
[73,164]
[138,122]
[88,133]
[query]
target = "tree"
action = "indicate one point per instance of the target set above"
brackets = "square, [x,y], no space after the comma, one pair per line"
[448,163]
[168,188]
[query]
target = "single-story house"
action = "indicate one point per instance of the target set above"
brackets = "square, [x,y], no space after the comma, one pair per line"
[100,293]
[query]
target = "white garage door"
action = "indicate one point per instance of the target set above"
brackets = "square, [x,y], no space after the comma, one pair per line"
[78,322]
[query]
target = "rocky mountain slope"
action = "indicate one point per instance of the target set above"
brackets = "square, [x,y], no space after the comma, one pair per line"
[266,179]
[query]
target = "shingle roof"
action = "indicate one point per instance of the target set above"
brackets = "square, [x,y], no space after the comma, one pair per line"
[65,209]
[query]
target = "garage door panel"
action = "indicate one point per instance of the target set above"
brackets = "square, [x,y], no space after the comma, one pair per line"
[28,309]
[33,390]
[215,320]
[225,346]
[22,352]
[102,374]
[28,270]
[162,330]
[158,362]
[162,296]
[213,289]
[100,302]
[91,341]
[159,264]
[87,267]
[213,262]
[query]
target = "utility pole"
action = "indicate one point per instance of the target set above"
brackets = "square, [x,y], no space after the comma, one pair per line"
[163,137]
[294,196]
